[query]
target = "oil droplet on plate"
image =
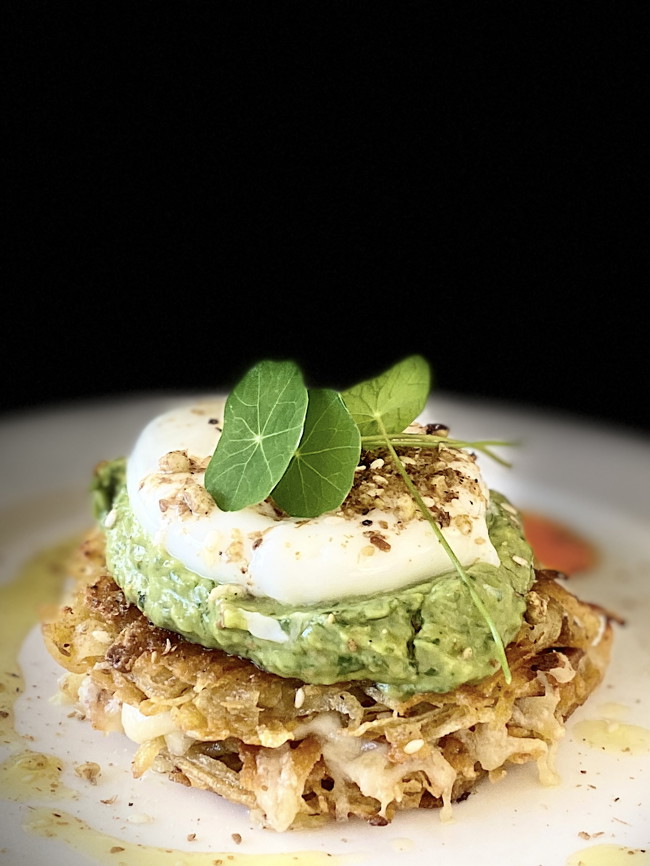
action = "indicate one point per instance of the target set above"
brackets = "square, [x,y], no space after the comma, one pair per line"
[609,855]
[611,735]
[37,585]
[108,850]
[26,776]
[613,710]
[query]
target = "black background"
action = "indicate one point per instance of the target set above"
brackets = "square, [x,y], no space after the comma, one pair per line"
[193,187]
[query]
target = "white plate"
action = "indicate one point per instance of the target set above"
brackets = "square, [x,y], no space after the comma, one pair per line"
[596,480]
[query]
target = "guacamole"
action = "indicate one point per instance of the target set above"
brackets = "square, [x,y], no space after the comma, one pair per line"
[427,637]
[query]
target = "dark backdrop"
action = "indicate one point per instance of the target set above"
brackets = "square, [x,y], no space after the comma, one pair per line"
[192,188]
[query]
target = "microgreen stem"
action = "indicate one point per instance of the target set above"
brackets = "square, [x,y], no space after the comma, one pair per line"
[390,441]
[414,440]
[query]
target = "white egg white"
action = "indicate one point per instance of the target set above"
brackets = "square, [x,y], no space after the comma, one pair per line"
[296,561]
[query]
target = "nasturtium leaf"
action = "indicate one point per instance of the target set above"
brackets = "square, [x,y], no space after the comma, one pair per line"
[393,399]
[321,472]
[263,422]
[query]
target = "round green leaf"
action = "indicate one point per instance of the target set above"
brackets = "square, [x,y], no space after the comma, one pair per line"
[263,422]
[321,472]
[391,401]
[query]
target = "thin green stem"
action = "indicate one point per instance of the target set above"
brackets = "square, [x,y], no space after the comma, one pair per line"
[415,440]
[388,441]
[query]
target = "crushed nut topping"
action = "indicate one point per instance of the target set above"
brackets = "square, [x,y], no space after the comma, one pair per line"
[436,472]
[180,461]
[380,542]
[174,461]
[197,498]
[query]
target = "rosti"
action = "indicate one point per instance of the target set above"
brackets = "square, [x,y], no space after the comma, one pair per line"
[297,754]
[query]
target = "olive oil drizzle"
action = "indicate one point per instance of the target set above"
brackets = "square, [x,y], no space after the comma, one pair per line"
[610,855]
[108,850]
[30,777]
[37,586]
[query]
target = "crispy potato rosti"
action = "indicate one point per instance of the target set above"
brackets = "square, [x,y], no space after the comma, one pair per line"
[296,754]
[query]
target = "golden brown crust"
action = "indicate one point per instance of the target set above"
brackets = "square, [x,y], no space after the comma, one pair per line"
[297,754]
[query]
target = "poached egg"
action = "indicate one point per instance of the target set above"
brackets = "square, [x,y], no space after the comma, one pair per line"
[296,561]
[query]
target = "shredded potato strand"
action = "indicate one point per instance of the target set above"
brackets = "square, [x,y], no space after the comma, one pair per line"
[341,750]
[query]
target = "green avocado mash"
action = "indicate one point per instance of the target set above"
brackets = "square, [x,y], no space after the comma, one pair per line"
[427,637]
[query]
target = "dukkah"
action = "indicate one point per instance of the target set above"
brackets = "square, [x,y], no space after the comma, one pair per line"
[387,653]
